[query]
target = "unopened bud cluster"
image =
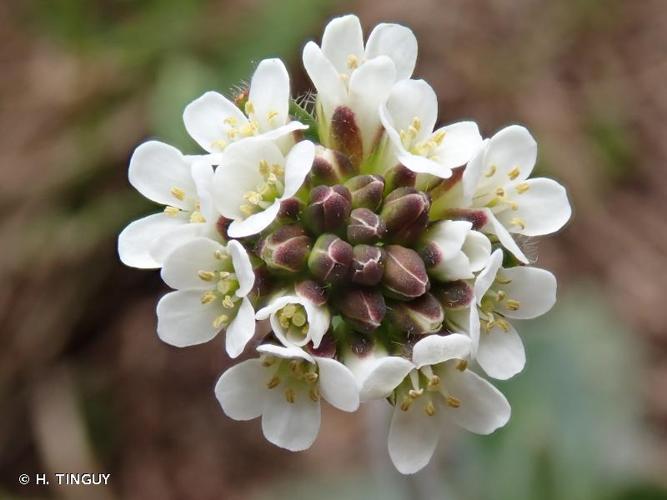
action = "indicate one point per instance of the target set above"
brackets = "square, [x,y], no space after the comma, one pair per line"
[362,252]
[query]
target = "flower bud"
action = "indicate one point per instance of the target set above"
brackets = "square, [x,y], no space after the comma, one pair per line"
[477,218]
[330,167]
[405,213]
[328,209]
[286,249]
[366,190]
[330,259]
[418,317]
[399,176]
[365,226]
[454,295]
[363,309]
[345,134]
[311,290]
[404,276]
[367,265]
[290,209]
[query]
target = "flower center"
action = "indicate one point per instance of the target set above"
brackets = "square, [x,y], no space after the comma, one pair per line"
[294,320]
[489,317]
[179,194]
[224,283]
[266,192]
[428,389]
[294,376]
[499,200]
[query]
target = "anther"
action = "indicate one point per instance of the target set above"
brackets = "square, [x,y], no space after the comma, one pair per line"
[196,216]
[352,61]
[514,173]
[491,172]
[462,365]
[500,192]
[220,321]
[518,222]
[415,393]
[430,408]
[522,188]
[314,394]
[512,304]
[268,361]
[311,377]
[206,275]
[177,193]
[453,402]
[231,121]
[208,297]
[406,403]
[227,302]
[219,144]
[271,115]
[290,395]
[171,211]
[274,382]
[220,255]
[249,108]
[433,382]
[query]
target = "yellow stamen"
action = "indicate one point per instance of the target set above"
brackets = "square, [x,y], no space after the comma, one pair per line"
[433,382]
[290,395]
[311,377]
[231,121]
[299,319]
[206,275]
[453,402]
[197,217]
[177,193]
[208,297]
[513,305]
[352,61]
[171,211]
[514,173]
[518,222]
[522,188]
[271,115]
[491,172]
[227,302]
[438,137]
[249,108]
[219,144]
[405,405]
[500,192]
[220,321]
[314,394]
[462,365]
[274,382]
[430,408]
[415,393]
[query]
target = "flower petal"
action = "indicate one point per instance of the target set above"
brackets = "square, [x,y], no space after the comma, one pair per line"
[331,90]
[156,168]
[397,42]
[542,207]
[342,38]
[319,320]
[384,376]
[510,148]
[202,174]
[533,288]
[478,249]
[241,329]
[279,132]
[181,267]
[423,165]
[459,145]
[269,94]
[241,390]
[494,226]
[501,354]
[293,426]
[410,99]
[135,241]
[436,349]
[207,120]
[483,408]
[242,268]
[182,320]
[286,352]
[413,436]
[488,275]
[337,384]
[297,165]
[240,228]
[169,241]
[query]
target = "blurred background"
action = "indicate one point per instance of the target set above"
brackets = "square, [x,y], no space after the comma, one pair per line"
[85,384]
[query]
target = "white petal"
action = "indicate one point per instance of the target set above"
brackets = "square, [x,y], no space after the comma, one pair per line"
[435,349]
[478,249]
[205,117]
[297,165]
[534,288]
[542,209]
[169,241]
[319,319]
[384,376]
[472,175]
[293,426]
[135,241]
[331,91]
[182,320]
[342,38]
[241,390]
[337,384]
[279,132]
[269,94]
[460,144]
[511,147]
[410,99]
[290,352]
[370,85]
[483,407]
[254,224]
[181,267]
[156,168]
[397,42]
[474,328]
[488,275]
[202,174]
[494,226]
[501,354]
[242,267]
[413,436]
[241,329]
[423,165]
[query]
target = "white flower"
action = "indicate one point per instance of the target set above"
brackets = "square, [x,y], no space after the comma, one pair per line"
[212,284]
[347,74]
[434,388]
[453,251]
[520,292]
[214,121]
[497,181]
[296,320]
[163,175]
[253,178]
[284,387]
[409,116]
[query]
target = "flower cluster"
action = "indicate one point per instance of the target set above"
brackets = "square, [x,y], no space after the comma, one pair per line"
[364,252]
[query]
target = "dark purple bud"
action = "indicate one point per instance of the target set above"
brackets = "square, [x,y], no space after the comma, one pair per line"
[399,176]
[405,213]
[330,167]
[454,295]
[327,347]
[286,249]
[365,226]
[367,265]
[311,290]
[289,210]
[330,259]
[418,317]
[404,276]
[328,210]
[345,134]
[366,190]
[477,218]
[363,309]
